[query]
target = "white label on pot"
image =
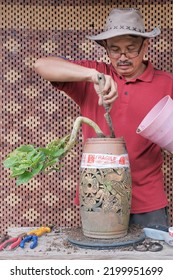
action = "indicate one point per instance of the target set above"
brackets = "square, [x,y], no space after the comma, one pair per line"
[90,160]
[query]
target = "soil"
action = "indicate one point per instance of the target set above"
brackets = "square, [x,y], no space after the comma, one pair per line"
[135,234]
[58,244]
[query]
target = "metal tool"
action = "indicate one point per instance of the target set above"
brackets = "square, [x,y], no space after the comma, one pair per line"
[29,238]
[13,242]
[148,246]
[4,238]
[34,234]
[101,80]
[159,235]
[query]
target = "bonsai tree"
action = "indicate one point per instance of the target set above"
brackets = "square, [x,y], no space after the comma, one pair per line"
[27,161]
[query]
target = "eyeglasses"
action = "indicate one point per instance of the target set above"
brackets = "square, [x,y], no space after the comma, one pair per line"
[129,54]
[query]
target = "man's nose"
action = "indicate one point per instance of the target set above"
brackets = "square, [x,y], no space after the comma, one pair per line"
[123,56]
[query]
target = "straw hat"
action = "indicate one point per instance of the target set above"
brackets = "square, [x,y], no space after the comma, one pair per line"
[127,21]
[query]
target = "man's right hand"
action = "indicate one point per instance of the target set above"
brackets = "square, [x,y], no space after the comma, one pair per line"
[109,90]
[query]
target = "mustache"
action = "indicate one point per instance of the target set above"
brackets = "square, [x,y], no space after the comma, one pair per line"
[122,63]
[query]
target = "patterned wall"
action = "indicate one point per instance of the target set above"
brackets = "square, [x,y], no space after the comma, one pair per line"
[31,110]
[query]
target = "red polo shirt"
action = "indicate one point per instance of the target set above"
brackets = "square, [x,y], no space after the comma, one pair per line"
[135,99]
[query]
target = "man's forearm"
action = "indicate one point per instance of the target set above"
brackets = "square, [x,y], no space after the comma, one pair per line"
[56,69]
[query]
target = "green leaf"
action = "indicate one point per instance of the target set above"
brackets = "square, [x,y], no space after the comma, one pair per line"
[50,163]
[31,154]
[36,170]
[38,159]
[45,151]
[24,178]
[17,171]
[58,143]
[24,162]
[24,165]
[26,148]
[57,153]
[9,162]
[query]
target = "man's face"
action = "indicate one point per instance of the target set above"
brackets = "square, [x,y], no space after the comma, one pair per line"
[129,64]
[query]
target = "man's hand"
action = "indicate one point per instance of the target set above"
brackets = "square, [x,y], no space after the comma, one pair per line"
[109,91]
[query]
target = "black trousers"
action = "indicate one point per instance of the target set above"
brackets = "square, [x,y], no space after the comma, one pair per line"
[153,218]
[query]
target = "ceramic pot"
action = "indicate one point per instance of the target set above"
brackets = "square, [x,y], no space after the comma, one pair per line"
[105,188]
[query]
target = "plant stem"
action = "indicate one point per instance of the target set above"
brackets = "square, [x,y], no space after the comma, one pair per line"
[76,128]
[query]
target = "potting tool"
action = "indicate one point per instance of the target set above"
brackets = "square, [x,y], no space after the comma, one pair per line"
[3,238]
[40,231]
[34,234]
[28,238]
[13,242]
[101,80]
[159,235]
[148,246]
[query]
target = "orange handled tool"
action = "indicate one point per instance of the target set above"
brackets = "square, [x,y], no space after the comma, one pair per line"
[40,231]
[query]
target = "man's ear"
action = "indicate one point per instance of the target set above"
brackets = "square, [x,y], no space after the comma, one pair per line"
[146,44]
[104,44]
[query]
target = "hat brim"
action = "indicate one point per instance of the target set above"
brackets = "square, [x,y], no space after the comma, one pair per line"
[119,32]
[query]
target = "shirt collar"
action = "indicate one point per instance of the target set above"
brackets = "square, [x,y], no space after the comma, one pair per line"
[148,74]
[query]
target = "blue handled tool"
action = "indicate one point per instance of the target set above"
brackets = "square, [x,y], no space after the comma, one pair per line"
[28,238]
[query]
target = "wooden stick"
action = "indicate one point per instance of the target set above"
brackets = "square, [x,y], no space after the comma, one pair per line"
[101,79]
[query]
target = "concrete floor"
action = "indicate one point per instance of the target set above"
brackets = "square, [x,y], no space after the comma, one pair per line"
[55,245]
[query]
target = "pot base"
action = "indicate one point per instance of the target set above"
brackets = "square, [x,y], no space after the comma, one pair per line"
[106,226]
[77,238]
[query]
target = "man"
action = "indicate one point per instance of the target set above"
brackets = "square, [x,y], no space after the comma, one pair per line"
[139,88]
